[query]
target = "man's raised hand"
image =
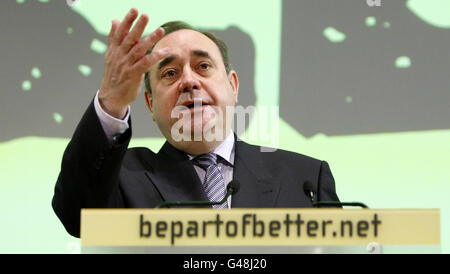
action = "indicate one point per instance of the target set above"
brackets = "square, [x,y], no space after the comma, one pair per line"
[126,62]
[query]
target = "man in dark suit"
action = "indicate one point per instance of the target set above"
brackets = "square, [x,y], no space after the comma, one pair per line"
[188,71]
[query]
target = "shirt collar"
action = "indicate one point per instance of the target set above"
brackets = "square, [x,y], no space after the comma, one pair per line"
[224,150]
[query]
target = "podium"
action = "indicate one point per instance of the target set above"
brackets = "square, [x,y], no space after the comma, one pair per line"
[260,231]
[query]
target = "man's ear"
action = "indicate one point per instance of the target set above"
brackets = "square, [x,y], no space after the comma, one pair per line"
[234,82]
[149,102]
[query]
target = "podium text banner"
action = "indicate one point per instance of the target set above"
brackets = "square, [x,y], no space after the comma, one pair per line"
[259,227]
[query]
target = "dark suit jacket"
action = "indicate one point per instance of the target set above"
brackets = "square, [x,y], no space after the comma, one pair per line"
[97,174]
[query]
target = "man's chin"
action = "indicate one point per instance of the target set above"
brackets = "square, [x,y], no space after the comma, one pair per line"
[209,129]
[195,147]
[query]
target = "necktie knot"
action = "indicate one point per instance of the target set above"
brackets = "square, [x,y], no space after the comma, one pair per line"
[213,183]
[206,160]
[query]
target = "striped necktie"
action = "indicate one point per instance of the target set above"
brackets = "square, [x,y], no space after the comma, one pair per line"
[214,183]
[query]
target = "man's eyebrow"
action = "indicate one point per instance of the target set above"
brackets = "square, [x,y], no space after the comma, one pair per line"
[201,53]
[169,59]
[205,54]
[166,61]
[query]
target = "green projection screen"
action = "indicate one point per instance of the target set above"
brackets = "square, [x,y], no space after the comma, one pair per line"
[366,88]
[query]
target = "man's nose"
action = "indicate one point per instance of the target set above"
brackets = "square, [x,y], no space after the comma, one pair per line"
[189,81]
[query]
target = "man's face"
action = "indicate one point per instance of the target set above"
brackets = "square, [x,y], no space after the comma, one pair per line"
[193,72]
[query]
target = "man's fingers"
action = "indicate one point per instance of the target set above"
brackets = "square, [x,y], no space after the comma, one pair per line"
[133,37]
[125,26]
[157,34]
[114,25]
[147,43]
[144,64]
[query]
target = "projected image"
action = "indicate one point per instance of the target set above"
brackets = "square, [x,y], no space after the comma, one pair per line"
[365,71]
[61,66]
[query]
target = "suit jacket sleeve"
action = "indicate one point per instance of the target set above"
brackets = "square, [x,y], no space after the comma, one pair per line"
[89,176]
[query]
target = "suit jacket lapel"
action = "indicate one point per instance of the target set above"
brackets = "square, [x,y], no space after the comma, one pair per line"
[257,187]
[174,176]
[176,179]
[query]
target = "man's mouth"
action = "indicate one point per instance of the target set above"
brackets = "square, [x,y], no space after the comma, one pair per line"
[192,104]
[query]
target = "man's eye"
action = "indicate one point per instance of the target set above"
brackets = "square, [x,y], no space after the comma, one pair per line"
[168,74]
[204,66]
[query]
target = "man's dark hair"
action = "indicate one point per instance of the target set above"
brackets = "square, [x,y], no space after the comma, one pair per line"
[172,26]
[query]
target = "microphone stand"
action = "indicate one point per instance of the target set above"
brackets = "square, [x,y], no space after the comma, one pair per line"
[338,204]
[311,193]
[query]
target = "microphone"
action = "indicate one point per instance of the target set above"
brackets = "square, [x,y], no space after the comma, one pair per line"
[308,189]
[311,193]
[232,188]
